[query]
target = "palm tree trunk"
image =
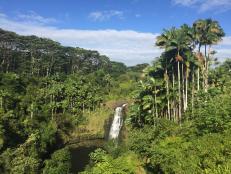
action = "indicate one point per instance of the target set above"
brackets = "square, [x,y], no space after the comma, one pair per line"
[183,85]
[153,110]
[167,88]
[198,78]
[179,92]
[1,102]
[174,111]
[205,69]
[32,110]
[198,70]
[156,104]
[192,102]
[52,113]
[186,89]
[173,87]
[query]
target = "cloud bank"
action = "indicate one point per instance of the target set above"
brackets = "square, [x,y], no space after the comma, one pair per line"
[206,5]
[130,47]
[127,46]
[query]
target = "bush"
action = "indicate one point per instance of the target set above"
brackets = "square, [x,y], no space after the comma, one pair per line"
[60,162]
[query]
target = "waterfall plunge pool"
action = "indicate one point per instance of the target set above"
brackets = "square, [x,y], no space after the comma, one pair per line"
[81,151]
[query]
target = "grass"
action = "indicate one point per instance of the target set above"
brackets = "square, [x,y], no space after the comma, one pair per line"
[94,124]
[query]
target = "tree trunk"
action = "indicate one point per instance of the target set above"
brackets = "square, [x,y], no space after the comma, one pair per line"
[193,81]
[52,113]
[198,70]
[156,104]
[173,86]
[32,109]
[179,92]
[183,85]
[186,89]
[1,102]
[47,72]
[153,110]
[186,84]
[198,78]
[167,88]
[32,63]
[205,69]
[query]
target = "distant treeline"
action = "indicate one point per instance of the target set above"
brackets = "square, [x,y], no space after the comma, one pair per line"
[37,56]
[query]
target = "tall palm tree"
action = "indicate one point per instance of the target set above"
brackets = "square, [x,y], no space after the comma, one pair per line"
[214,35]
[163,41]
[189,40]
[207,32]
[180,43]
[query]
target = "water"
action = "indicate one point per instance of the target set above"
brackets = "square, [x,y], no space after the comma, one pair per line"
[117,123]
[80,158]
[80,154]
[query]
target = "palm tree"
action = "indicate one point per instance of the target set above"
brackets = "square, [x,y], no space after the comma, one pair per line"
[176,41]
[179,44]
[214,35]
[207,32]
[188,35]
[158,98]
[163,41]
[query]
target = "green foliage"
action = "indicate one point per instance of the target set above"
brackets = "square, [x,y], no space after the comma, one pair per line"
[24,159]
[200,145]
[177,155]
[127,163]
[46,92]
[59,162]
[138,67]
[2,138]
[172,83]
[214,114]
[34,56]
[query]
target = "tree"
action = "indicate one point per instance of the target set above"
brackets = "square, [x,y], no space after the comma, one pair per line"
[59,162]
[207,32]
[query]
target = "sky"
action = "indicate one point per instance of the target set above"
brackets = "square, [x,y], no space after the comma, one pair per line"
[124,30]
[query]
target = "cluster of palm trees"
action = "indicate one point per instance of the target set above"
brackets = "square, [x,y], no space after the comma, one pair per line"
[75,96]
[179,73]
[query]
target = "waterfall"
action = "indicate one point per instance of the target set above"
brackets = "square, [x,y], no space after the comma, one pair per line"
[117,122]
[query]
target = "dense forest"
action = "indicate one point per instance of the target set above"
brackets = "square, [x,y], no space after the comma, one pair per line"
[46,91]
[178,118]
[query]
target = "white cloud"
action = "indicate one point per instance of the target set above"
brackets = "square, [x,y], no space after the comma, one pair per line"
[2,15]
[226,41]
[32,17]
[185,2]
[127,46]
[106,15]
[206,5]
[223,49]
[130,47]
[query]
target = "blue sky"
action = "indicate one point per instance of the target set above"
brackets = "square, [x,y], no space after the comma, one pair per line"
[125,30]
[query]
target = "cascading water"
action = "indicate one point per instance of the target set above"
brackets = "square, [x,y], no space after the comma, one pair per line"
[117,123]
[80,154]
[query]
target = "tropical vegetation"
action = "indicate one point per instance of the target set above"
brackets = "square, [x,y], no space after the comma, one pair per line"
[178,119]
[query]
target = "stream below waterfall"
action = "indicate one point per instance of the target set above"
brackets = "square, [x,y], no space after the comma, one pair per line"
[80,152]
